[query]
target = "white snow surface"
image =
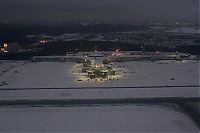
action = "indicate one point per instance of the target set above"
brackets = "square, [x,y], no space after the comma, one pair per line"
[186,30]
[59,75]
[127,118]
[95,119]
[99,93]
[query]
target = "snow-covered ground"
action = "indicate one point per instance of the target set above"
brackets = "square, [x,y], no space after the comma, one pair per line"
[99,93]
[128,118]
[6,66]
[186,30]
[135,74]
[95,119]
[58,75]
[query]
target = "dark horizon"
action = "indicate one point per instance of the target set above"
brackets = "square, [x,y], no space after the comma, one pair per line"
[98,11]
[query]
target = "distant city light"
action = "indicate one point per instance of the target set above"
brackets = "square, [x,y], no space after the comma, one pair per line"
[5,45]
[157,52]
[43,41]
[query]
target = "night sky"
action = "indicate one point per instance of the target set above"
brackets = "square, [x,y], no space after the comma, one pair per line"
[107,11]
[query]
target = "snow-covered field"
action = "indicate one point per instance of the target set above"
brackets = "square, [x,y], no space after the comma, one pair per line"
[58,75]
[186,30]
[127,118]
[6,66]
[99,93]
[95,119]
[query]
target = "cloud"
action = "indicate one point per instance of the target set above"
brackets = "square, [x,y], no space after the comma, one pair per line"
[116,11]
